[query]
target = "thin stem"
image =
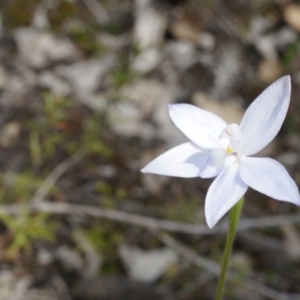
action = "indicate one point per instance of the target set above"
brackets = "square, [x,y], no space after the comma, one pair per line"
[234,216]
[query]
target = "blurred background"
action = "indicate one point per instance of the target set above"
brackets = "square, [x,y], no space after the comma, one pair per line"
[84,88]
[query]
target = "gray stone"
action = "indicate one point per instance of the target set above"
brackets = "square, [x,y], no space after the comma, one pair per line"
[147,266]
[86,76]
[150,25]
[39,49]
[56,85]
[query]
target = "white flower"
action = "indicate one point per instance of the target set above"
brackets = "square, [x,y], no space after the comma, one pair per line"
[218,149]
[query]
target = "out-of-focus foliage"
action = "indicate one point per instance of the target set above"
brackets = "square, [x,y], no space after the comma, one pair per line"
[26,229]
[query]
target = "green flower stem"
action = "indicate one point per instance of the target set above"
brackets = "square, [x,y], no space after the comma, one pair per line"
[234,216]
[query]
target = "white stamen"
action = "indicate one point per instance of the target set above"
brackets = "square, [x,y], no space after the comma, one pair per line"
[232,132]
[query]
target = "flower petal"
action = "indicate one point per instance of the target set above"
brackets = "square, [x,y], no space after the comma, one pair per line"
[185,160]
[200,126]
[215,163]
[226,190]
[269,177]
[264,117]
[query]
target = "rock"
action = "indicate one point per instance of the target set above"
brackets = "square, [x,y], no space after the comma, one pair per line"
[207,41]
[230,111]
[40,18]
[146,61]
[147,266]
[56,85]
[28,76]
[14,90]
[267,47]
[95,101]
[291,14]
[70,259]
[16,84]
[285,37]
[44,257]
[151,98]
[264,43]
[147,94]
[227,70]
[126,120]
[9,134]
[39,49]
[150,25]
[107,171]
[182,53]
[113,42]
[7,284]
[86,76]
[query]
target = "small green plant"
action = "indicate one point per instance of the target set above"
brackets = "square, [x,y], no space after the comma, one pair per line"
[64,11]
[56,129]
[19,12]
[121,74]
[291,54]
[18,187]
[106,240]
[109,194]
[290,124]
[86,39]
[26,228]
[91,139]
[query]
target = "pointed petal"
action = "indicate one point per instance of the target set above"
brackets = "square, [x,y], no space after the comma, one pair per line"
[264,117]
[200,126]
[269,177]
[226,190]
[185,160]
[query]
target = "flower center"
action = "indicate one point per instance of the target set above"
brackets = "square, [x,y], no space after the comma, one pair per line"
[229,150]
[232,132]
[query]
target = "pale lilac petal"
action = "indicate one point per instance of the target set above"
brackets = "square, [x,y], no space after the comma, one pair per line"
[210,171]
[225,191]
[264,117]
[215,163]
[185,160]
[269,177]
[200,126]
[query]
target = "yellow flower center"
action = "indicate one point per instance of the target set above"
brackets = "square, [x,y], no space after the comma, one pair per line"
[229,150]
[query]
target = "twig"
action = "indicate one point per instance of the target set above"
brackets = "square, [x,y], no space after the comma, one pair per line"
[144,221]
[214,268]
[92,258]
[188,254]
[53,177]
